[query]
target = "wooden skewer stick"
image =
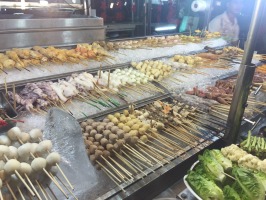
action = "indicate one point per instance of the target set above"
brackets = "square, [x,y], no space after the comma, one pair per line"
[102,166]
[43,193]
[114,180]
[139,167]
[51,191]
[11,191]
[14,93]
[66,187]
[125,161]
[154,159]
[121,167]
[161,152]
[36,192]
[139,155]
[20,193]
[114,169]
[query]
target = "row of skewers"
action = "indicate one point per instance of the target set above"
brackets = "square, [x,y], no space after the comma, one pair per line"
[158,41]
[125,145]
[28,167]
[38,56]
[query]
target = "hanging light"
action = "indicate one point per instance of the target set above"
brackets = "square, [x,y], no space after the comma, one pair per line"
[125,4]
[111,5]
[22,5]
[44,3]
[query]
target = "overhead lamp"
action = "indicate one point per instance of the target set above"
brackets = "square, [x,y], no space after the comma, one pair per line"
[165,28]
[111,5]
[125,3]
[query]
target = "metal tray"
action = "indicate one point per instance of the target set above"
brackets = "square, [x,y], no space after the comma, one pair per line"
[4,103]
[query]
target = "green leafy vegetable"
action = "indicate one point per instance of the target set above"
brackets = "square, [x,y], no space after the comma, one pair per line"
[249,183]
[230,193]
[206,189]
[225,162]
[212,167]
[262,177]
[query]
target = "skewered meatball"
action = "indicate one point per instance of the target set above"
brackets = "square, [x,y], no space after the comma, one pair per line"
[93,133]
[112,138]
[98,137]
[120,134]
[88,129]
[83,124]
[114,129]
[106,154]
[106,120]
[100,128]
[92,149]
[98,154]
[104,142]
[106,133]
[109,147]
[89,121]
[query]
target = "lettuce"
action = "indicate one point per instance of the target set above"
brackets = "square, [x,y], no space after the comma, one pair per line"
[262,177]
[230,193]
[212,167]
[251,186]
[206,189]
[225,162]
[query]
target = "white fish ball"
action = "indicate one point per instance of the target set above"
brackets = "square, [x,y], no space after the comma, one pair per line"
[24,150]
[38,164]
[4,140]
[2,164]
[15,144]
[24,158]
[25,168]
[53,158]
[35,134]
[40,149]
[33,147]
[54,170]
[13,132]
[24,137]
[13,152]
[11,166]
[3,150]
[47,144]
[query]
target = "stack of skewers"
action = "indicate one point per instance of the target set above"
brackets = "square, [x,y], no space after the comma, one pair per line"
[28,167]
[127,144]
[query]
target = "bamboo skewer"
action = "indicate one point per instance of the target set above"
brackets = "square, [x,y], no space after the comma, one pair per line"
[11,191]
[102,166]
[20,193]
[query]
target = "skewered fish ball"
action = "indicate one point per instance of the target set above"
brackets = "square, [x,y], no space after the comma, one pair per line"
[117,115]
[142,131]
[123,119]
[98,154]
[96,143]
[116,147]
[98,137]
[126,129]
[120,125]
[92,159]
[12,152]
[88,143]
[89,121]
[115,121]
[100,148]
[86,135]
[15,144]
[106,120]
[114,129]
[129,123]
[109,147]
[47,144]
[94,125]
[100,128]
[38,164]
[13,132]
[120,134]
[53,170]
[120,142]
[23,137]
[112,138]
[25,168]
[126,112]
[88,129]
[93,133]
[24,150]
[4,140]
[35,135]
[106,133]
[133,133]
[110,117]
[83,124]
[53,158]
[3,150]
[106,154]
[127,137]
[11,166]
[104,142]
[135,127]
[91,139]
[92,149]
[134,140]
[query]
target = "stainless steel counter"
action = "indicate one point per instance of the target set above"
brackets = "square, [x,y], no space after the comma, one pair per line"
[44,32]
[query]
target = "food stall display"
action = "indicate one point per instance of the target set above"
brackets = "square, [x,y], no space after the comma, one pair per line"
[121,93]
